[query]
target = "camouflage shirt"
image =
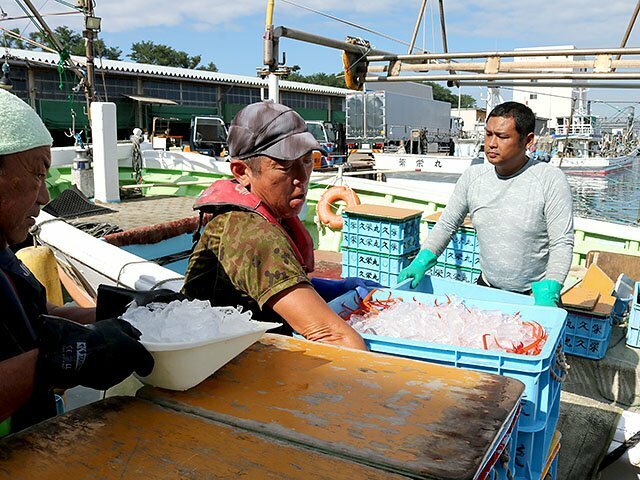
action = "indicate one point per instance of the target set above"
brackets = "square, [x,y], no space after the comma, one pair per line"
[243,260]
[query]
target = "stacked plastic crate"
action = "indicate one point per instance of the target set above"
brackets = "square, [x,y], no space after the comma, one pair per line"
[379,241]
[461,259]
[535,445]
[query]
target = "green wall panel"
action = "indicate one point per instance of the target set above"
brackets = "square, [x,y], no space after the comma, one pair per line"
[181,112]
[338,117]
[56,114]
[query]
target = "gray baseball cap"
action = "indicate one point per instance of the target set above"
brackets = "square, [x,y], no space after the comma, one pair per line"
[271,129]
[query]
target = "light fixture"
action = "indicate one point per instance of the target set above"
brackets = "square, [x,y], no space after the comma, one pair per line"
[93,23]
[5,81]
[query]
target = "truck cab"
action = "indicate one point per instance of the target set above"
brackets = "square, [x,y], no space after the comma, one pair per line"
[325,134]
[208,136]
[203,134]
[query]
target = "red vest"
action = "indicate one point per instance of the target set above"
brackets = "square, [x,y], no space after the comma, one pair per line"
[229,193]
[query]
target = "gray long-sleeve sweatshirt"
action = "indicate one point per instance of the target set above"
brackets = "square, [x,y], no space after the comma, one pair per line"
[524,223]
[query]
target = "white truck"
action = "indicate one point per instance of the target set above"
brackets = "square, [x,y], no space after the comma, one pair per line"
[394,118]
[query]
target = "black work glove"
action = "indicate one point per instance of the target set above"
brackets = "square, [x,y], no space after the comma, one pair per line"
[113,301]
[95,356]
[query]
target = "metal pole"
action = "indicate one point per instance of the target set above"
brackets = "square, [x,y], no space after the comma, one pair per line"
[271,54]
[89,84]
[373,57]
[632,22]
[443,27]
[324,41]
[417,27]
[51,34]
[551,84]
[507,76]
[274,87]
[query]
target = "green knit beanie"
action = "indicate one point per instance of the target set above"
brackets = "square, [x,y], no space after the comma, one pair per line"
[21,128]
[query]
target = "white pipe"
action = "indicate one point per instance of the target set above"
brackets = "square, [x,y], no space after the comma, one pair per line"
[96,258]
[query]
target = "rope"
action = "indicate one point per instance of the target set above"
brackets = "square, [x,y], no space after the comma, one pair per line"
[96,229]
[162,282]
[619,451]
[561,364]
[505,458]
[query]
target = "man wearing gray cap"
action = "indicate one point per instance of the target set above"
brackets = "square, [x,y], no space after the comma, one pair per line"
[254,251]
[39,351]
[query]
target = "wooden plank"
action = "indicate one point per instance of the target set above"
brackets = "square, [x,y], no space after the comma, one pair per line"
[383,212]
[613,264]
[596,279]
[580,298]
[410,417]
[128,438]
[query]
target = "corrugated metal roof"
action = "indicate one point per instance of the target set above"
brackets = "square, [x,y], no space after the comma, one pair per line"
[186,73]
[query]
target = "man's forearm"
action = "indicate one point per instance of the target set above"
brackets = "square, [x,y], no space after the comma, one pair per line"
[17,376]
[72,312]
[310,316]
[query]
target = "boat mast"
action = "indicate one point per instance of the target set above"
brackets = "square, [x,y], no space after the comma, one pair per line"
[59,47]
[271,70]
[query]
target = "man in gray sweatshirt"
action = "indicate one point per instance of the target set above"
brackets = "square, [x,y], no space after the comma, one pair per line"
[521,210]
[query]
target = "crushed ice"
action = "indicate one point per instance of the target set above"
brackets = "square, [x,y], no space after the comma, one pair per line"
[452,323]
[188,321]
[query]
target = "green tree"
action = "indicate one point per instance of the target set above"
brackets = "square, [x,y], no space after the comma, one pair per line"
[12,42]
[445,95]
[211,67]
[74,43]
[328,79]
[158,54]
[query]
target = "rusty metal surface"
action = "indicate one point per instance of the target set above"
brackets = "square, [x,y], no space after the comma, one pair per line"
[128,438]
[414,418]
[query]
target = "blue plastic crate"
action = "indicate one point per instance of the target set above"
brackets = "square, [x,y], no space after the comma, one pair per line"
[587,335]
[383,278]
[378,267]
[454,272]
[381,235]
[539,373]
[440,286]
[532,447]
[633,329]
[464,238]
[384,228]
[461,258]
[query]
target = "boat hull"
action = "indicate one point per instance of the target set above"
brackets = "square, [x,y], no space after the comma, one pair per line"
[592,166]
[423,163]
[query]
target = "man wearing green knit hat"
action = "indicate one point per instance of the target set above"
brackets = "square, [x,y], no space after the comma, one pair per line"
[43,346]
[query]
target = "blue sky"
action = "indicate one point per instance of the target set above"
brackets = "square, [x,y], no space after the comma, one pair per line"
[229,32]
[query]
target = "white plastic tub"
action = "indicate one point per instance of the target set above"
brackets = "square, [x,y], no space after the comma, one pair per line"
[180,366]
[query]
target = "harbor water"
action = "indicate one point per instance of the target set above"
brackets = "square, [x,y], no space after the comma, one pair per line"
[614,197]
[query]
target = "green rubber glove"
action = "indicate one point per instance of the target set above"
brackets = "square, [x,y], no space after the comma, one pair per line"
[425,260]
[546,293]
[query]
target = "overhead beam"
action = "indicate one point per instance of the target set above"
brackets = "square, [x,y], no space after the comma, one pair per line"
[417,57]
[507,76]
[488,67]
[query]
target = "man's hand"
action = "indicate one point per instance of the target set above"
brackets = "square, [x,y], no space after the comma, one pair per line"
[546,293]
[95,356]
[425,260]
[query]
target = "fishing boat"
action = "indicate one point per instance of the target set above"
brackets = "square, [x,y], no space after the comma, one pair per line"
[580,147]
